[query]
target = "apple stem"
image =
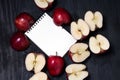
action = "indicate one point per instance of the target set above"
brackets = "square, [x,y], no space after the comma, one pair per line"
[56,54]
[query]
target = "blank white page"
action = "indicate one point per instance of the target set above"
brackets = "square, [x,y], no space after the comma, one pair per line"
[49,37]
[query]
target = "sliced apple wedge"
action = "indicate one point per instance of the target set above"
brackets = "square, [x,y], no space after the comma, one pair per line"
[39,76]
[35,62]
[79,52]
[94,20]
[29,61]
[80,29]
[98,44]
[76,72]
[43,4]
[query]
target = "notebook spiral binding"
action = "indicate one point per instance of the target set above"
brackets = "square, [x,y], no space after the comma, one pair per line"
[36,23]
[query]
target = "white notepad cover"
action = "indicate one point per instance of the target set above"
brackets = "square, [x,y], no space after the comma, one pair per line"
[49,37]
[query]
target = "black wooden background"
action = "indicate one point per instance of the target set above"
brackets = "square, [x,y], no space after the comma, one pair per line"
[100,67]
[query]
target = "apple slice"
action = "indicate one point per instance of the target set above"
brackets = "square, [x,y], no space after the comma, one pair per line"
[39,76]
[99,44]
[76,72]
[79,52]
[35,62]
[94,20]
[80,29]
[43,4]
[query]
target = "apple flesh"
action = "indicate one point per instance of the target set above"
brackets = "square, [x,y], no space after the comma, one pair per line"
[76,72]
[94,20]
[44,4]
[99,44]
[24,21]
[55,65]
[35,62]
[61,16]
[79,29]
[39,76]
[79,52]
[19,41]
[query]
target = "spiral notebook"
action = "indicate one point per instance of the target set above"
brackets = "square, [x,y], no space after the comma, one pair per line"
[49,37]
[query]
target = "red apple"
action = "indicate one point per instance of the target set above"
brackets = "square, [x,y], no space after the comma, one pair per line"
[55,65]
[61,16]
[19,41]
[24,21]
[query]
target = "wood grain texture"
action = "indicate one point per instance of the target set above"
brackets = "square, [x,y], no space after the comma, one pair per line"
[102,67]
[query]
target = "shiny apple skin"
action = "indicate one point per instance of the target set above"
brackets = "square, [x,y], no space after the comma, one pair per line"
[61,16]
[19,41]
[55,65]
[24,21]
